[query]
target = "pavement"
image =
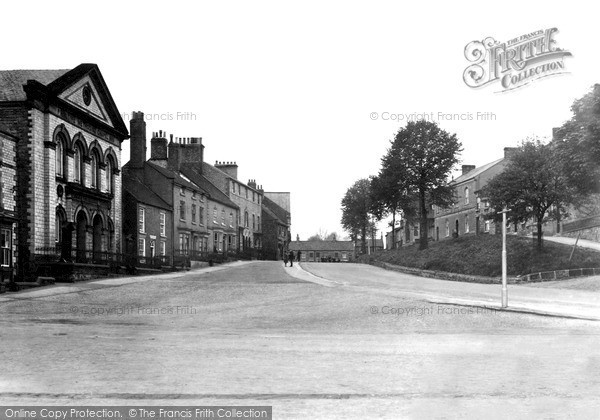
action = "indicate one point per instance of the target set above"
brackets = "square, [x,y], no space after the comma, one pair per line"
[543,301]
[584,243]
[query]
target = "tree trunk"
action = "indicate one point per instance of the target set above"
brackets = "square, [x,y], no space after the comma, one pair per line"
[540,240]
[363,240]
[394,229]
[423,237]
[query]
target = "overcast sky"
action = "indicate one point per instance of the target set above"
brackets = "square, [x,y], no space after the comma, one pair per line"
[287,89]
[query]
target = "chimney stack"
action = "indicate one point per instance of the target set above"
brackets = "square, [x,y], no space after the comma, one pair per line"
[230,168]
[158,146]
[137,128]
[467,168]
[174,159]
[252,183]
[193,151]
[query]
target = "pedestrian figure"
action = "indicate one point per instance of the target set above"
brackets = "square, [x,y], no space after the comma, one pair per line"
[285,258]
[291,258]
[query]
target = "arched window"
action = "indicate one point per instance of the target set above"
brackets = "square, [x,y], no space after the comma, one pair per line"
[245,219]
[78,164]
[467,223]
[60,155]
[109,175]
[466,195]
[447,228]
[95,171]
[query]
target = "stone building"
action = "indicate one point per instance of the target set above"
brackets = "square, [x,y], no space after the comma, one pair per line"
[247,197]
[468,214]
[8,174]
[68,151]
[147,225]
[187,201]
[323,251]
[223,214]
[276,229]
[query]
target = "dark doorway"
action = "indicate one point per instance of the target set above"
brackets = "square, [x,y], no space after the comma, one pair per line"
[81,222]
[456,227]
[97,239]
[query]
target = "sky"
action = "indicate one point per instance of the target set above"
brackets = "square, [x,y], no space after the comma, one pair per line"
[288,90]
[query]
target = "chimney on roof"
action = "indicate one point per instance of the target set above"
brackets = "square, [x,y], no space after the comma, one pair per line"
[509,152]
[137,128]
[252,183]
[467,168]
[158,146]
[174,159]
[191,151]
[230,168]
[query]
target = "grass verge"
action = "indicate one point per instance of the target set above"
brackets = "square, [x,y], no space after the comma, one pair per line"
[481,255]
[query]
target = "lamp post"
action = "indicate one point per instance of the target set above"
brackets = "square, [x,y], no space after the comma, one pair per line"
[504,286]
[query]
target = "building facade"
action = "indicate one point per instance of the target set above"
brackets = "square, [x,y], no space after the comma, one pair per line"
[8,219]
[186,200]
[147,225]
[276,230]
[69,134]
[323,251]
[469,213]
[247,197]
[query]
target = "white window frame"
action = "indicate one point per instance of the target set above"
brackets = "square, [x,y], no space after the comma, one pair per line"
[142,219]
[163,224]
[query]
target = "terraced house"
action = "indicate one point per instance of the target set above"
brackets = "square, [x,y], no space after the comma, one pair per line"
[68,134]
[468,214]
[247,197]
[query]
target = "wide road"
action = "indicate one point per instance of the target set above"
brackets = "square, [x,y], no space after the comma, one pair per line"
[253,333]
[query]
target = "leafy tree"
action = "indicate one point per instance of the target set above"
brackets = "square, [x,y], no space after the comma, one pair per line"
[388,197]
[315,237]
[531,186]
[415,170]
[577,144]
[356,207]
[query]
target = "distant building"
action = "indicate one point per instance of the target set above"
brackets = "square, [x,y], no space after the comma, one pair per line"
[323,251]
[276,229]
[468,214]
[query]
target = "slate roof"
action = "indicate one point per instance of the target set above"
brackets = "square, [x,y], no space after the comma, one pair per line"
[143,194]
[56,81]
[321,246]
[475,172]
[274,210]
[218,177]
[214,193]
[12,81]
[179,180]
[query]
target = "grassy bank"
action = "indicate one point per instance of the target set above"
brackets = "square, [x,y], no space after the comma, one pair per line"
[481,256]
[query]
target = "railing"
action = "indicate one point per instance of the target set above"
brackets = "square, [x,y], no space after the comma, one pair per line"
[73,255]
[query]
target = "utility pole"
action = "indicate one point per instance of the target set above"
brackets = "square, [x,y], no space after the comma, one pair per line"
[504,285]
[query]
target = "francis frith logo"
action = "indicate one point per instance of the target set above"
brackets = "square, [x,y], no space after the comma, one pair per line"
[514,63]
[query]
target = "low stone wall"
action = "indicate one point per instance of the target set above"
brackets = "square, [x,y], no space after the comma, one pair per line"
[560,274]
[444,275]
[527,278]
